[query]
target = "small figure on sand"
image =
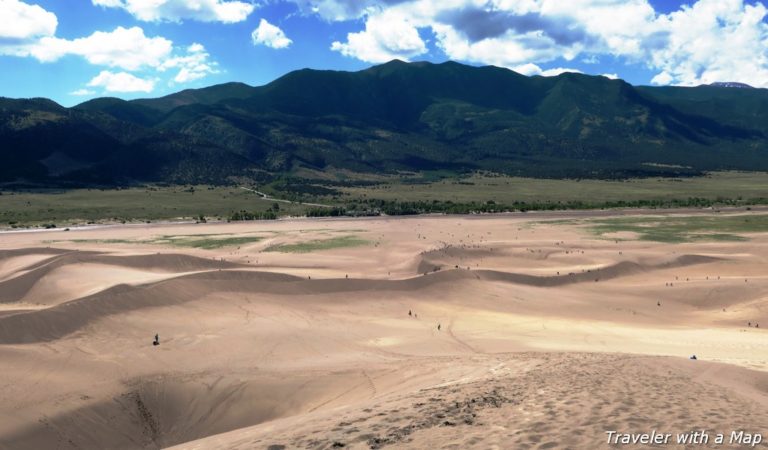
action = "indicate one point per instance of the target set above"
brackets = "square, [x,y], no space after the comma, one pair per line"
[693,357]
[658,303]
[157,340]
[438,327]
[409,313]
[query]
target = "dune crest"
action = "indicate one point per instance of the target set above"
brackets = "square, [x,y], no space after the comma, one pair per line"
[472,332]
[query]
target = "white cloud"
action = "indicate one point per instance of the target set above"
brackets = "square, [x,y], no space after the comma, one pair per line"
[559,71]
[126,48]
[270,35]
[121,82]
[662,79]
[387,36]
[21,25]
[21,21]
[225,11]
[712,40]
[29,31]
[82,92]
[612,76]
[532,69]
[192,66]
[528,69]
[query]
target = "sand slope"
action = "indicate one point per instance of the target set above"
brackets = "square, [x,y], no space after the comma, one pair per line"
[548,337]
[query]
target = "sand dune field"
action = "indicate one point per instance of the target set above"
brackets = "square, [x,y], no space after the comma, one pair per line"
[324,334]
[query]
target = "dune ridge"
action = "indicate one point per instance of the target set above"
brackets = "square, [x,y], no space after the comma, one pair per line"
[543,337]
[42,325]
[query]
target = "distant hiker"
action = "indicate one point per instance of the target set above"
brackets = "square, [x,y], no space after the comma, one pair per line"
[658,303]
[438,327]
[749,324]
[157,340]
[757,325]
[693,357]
[409,313]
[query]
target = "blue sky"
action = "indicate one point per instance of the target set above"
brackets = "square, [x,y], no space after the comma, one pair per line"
[74,50]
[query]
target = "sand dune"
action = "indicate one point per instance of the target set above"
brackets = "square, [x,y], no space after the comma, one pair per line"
[529,401]
[14,289]
[69,316]
[548,338]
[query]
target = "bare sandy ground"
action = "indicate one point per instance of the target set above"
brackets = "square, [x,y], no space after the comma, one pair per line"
[549,337]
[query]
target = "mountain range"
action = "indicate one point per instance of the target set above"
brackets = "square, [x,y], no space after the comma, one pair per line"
[393,117]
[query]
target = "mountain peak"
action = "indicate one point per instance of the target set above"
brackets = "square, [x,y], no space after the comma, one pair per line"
[731,84]
[399,116]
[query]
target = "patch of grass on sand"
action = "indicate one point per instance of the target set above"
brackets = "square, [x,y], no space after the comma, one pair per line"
[683,229]
[203,241]
[98,241]
[321,244]
[211,243]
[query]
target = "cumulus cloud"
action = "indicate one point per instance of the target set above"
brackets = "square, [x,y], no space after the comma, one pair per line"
[531,69]
[386,36]
[711,40]
[131,50]
[478,24]
[195,64]
[714,40]
[22,21]
[270,35]
[126,48]
[490,32]
[121,82]
[30,31]
[22,25]
[177,10]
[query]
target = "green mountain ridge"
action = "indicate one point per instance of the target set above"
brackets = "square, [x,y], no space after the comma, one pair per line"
[393,117]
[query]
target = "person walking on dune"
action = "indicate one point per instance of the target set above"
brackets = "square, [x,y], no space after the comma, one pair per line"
[438,327]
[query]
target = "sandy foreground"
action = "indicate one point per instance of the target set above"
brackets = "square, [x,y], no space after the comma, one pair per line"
[549,337]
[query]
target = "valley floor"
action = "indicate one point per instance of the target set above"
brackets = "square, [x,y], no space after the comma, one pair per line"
[506,331]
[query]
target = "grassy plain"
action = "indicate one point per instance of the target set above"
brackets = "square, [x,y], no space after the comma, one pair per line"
[507,190]
[134,204]
[152,203]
